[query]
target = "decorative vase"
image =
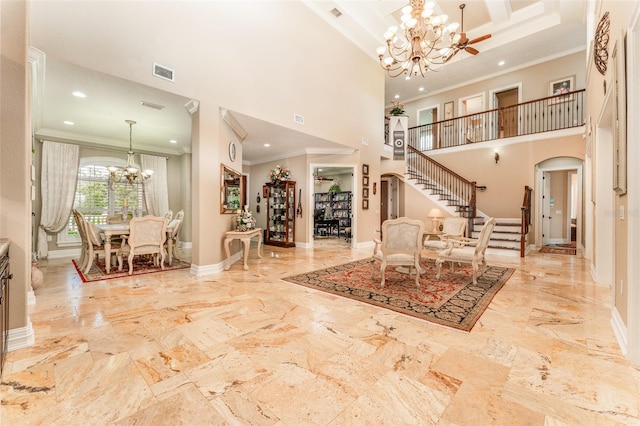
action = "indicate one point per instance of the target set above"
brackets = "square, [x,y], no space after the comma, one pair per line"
[37,277]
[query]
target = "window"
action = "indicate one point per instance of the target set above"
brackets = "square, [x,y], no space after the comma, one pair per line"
[95,199]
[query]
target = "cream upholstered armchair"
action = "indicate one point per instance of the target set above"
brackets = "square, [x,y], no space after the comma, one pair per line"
[453,229]
[472,251]
[147,235]
[400,245]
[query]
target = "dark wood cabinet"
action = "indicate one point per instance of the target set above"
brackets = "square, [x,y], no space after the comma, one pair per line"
[281,213]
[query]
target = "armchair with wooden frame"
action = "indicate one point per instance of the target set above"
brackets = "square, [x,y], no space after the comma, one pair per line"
[147,235]
[453,229]
[468,250]
[401,245]
[92,242]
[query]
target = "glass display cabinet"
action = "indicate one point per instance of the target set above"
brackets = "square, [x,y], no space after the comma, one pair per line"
[281,213]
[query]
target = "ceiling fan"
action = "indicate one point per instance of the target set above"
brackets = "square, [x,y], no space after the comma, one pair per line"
[464,42]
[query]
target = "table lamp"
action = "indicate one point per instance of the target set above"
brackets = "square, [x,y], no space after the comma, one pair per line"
[434,222]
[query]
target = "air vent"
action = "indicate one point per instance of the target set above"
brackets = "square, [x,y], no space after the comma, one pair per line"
[151,105]
[335,12]
[163,72]
[298,119]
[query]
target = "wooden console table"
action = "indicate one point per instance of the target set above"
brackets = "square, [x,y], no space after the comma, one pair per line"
[245,237]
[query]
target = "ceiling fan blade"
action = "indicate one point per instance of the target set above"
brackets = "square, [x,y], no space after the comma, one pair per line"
[479,39]
[452,55]
[471,50]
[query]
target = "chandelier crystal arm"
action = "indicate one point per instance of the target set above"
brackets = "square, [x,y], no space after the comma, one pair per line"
[131,173]
[422,43]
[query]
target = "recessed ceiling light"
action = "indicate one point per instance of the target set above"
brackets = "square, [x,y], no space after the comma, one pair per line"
[421,89]
[501,63]
[69,123]
[173,141]
[267,144]
[79,94]
[397,96]
[408,77]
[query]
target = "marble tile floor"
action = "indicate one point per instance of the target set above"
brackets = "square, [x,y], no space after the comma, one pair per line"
[243,347]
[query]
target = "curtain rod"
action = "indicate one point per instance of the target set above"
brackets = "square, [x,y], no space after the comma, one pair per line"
[103,148]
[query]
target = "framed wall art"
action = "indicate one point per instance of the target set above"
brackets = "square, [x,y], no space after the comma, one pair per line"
[365,192]
[620,117]
[448,112]
[365,169]
[560,87]
[365,204]
[365,180]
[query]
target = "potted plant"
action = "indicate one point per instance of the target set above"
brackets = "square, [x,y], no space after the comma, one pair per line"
[398,108]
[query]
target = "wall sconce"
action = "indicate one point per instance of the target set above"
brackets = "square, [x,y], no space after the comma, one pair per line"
[496,156]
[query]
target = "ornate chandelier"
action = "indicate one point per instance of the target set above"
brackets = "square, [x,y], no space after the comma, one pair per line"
[131,173]
[422,42]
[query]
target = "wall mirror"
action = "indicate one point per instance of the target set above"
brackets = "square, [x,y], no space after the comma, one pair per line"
[230,190]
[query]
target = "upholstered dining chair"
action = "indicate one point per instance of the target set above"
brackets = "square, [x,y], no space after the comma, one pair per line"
[169,215]
[401,245]
[92,243]
[472,251]
[453,229]
[147,235]
[79,219]
[115,218]
[175,225]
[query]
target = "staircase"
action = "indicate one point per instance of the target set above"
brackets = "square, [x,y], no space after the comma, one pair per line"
[505,239]
[457,195]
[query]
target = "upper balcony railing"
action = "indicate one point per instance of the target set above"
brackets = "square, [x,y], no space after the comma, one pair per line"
[541,115]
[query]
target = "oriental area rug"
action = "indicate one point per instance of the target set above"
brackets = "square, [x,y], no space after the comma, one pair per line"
[453,301]
[559,248]
[141,266]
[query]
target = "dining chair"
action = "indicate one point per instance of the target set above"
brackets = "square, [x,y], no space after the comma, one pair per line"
[95,245]
[401,245]
[472,251]
[115,218]
[79,219]
[175,225]
[147,235]
[169,215]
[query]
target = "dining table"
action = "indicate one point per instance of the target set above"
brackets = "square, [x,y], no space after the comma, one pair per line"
[111,229]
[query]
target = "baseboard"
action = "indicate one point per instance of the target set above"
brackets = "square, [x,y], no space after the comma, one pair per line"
[20,338]
[303,245]
[57,254]
[620,330]
[201,270]
[364,245]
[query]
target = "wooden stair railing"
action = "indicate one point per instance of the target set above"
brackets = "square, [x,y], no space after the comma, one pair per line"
[448,185]
[526,219]
[536,116]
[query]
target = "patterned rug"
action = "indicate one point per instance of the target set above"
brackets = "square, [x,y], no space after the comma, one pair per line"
[140,266]
[559,249]
[452,301]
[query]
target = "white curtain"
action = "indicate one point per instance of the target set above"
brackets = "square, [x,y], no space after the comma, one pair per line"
[58,188]
[156,193]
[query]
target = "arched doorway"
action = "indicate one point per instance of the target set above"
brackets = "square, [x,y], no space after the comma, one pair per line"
[559,212]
